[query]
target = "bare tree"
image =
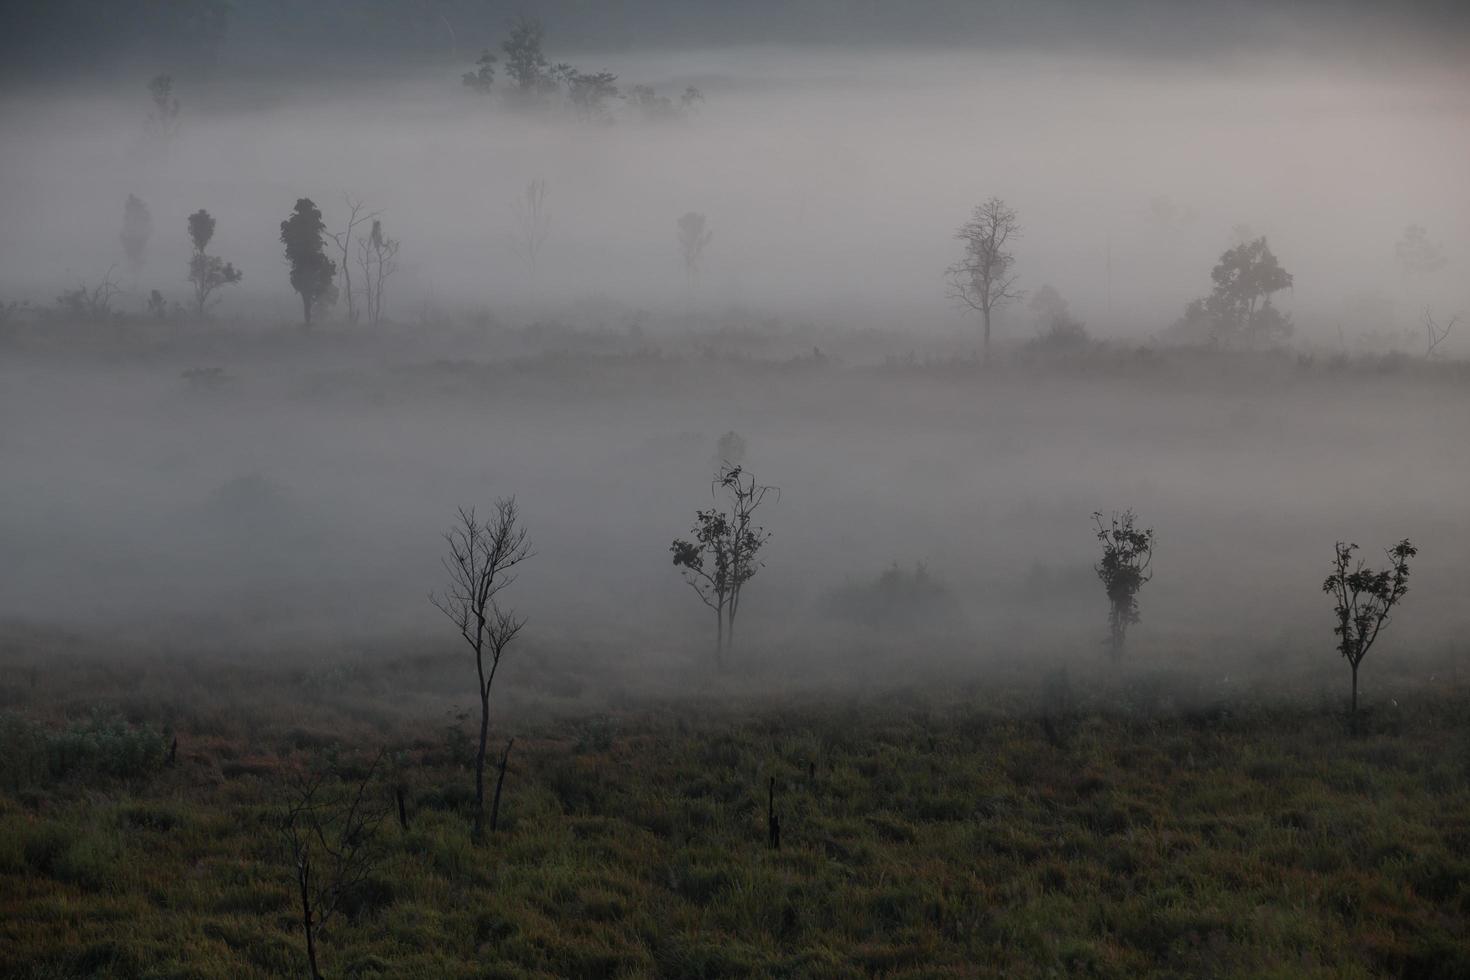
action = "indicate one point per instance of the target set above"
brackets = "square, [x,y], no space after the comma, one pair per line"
[137,229]
[356,215]
[533,224]
[377,255]
[481,557]
[1127,554]
[89,304]
[983,279]
[694,238]
[1364,598]
[330,829]
[724,553]
[1435,333]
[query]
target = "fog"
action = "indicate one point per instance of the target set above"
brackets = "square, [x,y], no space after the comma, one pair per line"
[833,181]
[299,503]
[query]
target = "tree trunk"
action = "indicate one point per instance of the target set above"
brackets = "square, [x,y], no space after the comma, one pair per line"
[1354,714]
[985,347]
[303,877]
[402,808]
[499,783]
[477,832]
[720,639]
[306,308]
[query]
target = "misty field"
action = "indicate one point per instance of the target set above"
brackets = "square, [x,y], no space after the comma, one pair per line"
[1112,828]
[966,784]
[703,490]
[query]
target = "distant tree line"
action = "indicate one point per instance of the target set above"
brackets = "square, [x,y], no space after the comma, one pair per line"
[533,82]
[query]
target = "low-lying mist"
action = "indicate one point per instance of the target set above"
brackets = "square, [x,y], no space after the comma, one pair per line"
[236,483]
[833,182]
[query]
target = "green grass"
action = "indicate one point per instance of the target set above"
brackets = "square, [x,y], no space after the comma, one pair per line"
[923,837]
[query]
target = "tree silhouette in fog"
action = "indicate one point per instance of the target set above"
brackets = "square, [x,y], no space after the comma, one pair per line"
[1416,253]
[724,553]
[694,238]
[137,229]
[983,279]
[163,118]
[1363,599]
[1127,554]
[312,272]
[207,272]
[1239,312]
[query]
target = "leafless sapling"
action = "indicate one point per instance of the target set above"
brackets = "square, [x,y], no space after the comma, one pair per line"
[533,224]
[481,557]
[137,229]
[724,553]
[89,304]
[983,278]
[1363,599]
[330,830]
[378,258]
[1435,333]
[357,214]
[1125,567]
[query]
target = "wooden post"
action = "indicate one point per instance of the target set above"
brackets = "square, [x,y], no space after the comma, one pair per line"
[402,808]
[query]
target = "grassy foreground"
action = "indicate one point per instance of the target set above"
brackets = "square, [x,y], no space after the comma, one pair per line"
[924,836]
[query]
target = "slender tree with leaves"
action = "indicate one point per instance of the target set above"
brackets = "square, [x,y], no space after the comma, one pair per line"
[1363,597]
[1128,553]
[207,273]
[724,553]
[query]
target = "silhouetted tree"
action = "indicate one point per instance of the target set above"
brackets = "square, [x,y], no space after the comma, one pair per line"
[694,237]
[481,557]
[660,108]
[356,215]
[1127,554]
[1058,329]
[207,272]
[983,278]
[526,64]
[88,304]
[378,258]
[1239,309]
[330,827]
[483,77]
[533,224]
[1435,334]
[163,120]
[1416,253]
[1363,599]
[312,273]
[724,554]
[136,230]
[589,92]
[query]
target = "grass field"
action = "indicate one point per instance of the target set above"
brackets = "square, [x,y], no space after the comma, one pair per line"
[926,833]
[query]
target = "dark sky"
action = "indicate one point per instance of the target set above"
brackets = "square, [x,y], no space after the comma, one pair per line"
[47,38]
